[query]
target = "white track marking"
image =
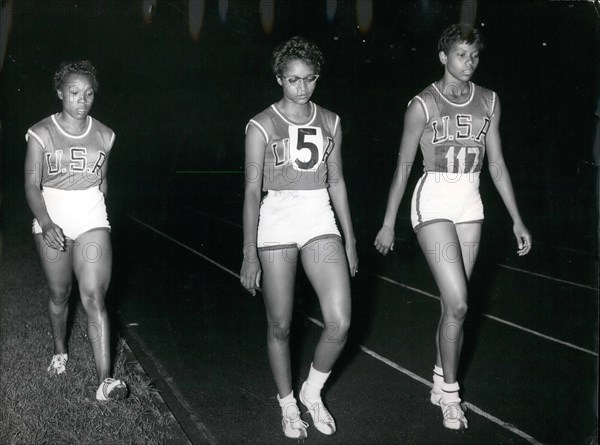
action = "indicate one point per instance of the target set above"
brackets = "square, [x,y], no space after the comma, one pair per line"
[425,382]
[499,320]
[217,218]
[366,350]
[427,294]
[164,235]
[548,277]
[516,269]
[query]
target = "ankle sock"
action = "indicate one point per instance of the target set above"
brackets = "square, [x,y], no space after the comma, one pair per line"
[314,383]
[438,377]
[450,392]
[289,406]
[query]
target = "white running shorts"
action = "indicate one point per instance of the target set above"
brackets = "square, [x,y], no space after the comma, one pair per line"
[74,211]
[441,196]
[295,218]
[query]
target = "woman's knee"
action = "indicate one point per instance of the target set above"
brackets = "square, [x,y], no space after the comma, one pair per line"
[92,297]
[59,294]
[279,330]
[456,309]
[337,329]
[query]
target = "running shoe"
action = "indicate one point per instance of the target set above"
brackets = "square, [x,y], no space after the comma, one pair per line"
[436,396]
[111,389]
[454,416]
[58,365]
[291,423]
[321,417]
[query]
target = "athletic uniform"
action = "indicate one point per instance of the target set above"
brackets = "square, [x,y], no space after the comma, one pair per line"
[71,174]
[453,148]
[296,209]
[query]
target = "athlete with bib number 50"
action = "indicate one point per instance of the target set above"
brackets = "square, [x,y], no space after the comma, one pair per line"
[455,122]
[293,152]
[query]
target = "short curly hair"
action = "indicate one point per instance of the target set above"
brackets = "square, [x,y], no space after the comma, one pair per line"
[84,67]
[296,48]
[459,33]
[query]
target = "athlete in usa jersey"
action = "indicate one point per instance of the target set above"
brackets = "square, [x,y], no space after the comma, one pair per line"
[65,185]
[453,140]
[296,154]
[72,162]
[293,152]
[456,124]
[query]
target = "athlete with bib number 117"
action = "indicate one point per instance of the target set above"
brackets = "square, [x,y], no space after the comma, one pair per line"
[293,150]
[455,122]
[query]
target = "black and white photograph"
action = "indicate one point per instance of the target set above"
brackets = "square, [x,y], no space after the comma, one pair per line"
[299,221]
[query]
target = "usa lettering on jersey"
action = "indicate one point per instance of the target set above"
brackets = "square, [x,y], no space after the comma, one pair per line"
[453,140]
[72,162]
[454,158]
[304,149]
[76,164]
[296,154]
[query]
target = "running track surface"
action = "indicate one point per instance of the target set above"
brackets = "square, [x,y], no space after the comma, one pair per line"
[529,367]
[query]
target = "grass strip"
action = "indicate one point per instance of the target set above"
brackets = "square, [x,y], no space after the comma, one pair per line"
[38,408]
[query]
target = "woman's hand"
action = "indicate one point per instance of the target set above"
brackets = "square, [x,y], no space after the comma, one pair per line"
[523,238]
[53,236]
[250,275]
[384,242]
[352,257]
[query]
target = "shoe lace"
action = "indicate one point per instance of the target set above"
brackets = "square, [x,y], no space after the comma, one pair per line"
[320,412]
[291,414]
[59,360]
[453,411]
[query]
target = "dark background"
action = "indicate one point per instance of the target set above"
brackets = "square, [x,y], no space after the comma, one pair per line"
[179,104]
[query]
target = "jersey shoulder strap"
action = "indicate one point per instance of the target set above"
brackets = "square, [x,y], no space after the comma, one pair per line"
[429,99]
[263,122]
[40,132]
[486,97]
[106,134]
[329,118]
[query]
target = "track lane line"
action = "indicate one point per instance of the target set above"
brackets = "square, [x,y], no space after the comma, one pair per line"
[427,294]
[194,251]
[420,379]
[397,283]
[492,317]
[505,266]
[366,350]
[536,274]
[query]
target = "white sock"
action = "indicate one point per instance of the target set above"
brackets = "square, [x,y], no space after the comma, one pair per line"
[314,383]
[438,378]
[288,405]
[286,400]
[450,392]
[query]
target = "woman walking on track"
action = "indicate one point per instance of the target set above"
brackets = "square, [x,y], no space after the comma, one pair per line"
[455,122]
[65,186]
[293,148]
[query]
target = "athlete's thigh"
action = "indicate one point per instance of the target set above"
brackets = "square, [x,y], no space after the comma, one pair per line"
[57,265]
[326,266]
[441,246]
[92,259]
[278,280]
[469,235]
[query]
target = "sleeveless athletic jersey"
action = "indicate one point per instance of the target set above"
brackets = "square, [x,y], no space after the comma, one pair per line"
[296,154]
[454,137]
[72,162]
